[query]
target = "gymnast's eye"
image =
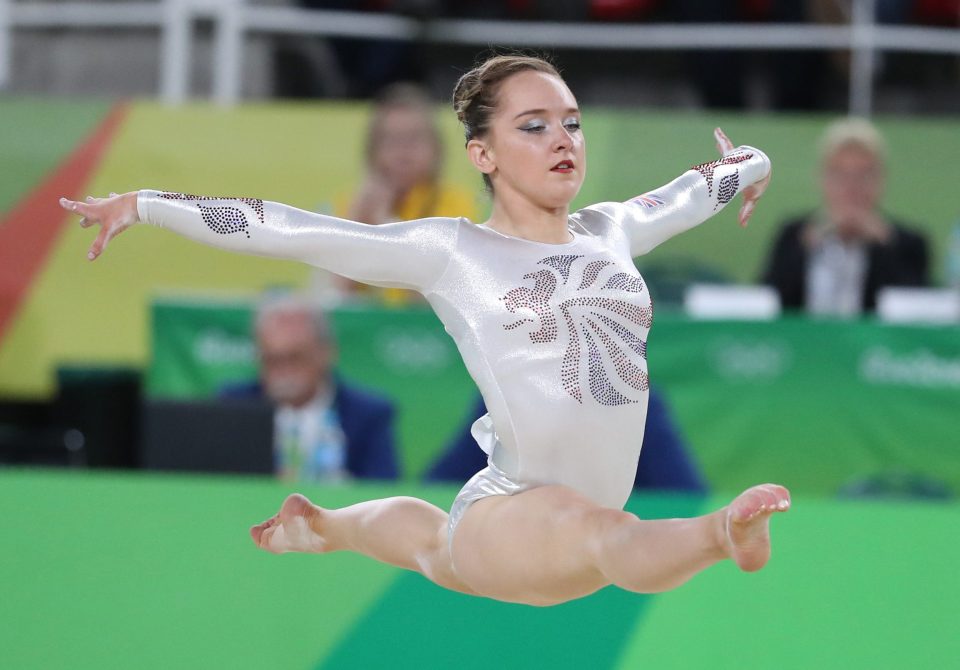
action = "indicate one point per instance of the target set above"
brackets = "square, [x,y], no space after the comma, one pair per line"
[533,127]
[573,125]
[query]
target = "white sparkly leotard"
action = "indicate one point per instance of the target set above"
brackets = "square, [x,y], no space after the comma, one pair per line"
[553,334]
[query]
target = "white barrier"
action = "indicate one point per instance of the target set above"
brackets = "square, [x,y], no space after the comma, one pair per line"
[4,43]
[235,19]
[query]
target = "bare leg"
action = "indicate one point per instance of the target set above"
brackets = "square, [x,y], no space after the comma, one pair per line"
[541,547]
[405,532]
[653,556]
[550,544]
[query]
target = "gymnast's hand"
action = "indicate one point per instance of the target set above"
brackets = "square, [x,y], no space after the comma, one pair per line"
[751,193]
[114,214]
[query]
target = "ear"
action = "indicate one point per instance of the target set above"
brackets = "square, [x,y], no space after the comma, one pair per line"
[481,155]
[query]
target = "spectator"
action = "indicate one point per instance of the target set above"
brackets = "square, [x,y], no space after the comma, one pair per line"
[836,259]
[404,159]
[664,462]
[324,429]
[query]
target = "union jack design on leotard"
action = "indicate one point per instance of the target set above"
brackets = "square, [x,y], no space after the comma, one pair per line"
[648,200]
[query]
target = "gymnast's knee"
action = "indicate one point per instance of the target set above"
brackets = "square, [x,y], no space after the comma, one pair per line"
[605,524]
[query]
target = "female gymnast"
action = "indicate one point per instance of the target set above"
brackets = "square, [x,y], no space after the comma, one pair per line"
[551,318]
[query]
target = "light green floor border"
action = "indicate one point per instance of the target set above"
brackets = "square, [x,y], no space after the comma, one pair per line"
[850,585]
[152,571]
[118,571]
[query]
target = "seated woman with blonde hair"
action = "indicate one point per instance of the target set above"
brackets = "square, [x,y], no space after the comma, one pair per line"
[403,180]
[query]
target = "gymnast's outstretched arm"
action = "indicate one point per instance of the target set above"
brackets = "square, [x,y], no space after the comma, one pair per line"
[410,254]
[693,197]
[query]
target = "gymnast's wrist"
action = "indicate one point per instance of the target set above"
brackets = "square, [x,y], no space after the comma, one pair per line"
[141,201]
[762,161]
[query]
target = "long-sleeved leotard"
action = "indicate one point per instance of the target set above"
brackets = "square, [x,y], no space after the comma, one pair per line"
[554,335]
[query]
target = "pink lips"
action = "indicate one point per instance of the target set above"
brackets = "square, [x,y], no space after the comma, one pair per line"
[563,166]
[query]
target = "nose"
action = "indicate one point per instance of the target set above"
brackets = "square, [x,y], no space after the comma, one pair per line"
[562,139]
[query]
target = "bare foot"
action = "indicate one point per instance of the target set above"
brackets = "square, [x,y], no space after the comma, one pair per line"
[294,528]
[748,524]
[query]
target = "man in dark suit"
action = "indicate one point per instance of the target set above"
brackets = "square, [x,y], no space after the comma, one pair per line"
[834,262]
[325,429]
[664,462]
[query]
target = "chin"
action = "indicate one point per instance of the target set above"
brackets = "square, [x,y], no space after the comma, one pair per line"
[547,202]
[561,198]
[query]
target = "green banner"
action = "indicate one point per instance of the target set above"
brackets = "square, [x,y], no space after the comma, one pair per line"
[818,405]
[198,346]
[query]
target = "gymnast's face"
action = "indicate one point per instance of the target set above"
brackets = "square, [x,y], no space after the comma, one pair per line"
[534,147]
[294,363]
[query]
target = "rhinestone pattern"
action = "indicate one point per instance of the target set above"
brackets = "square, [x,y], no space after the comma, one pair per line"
[536,299]
[707,170]
[595,324]
[591,272]
[727,189]
[561,264]
[625,282]
[221,220]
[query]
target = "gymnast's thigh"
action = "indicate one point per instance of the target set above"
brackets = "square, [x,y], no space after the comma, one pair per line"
[536,547]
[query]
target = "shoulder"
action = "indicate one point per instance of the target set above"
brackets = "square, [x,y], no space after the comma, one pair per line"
[601,215]
[352,396]
[908,233]
[792,227]
[435,233]
[431,223]
[240,391]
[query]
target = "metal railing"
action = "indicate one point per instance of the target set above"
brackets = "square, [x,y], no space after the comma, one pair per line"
[234,20]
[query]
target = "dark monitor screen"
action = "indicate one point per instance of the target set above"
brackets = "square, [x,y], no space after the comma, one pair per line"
[207,436]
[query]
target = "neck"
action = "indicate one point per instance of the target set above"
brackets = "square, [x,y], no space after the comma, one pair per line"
[322,388]
[519,217]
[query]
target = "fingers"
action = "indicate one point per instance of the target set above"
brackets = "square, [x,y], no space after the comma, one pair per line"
[746,211]
[93,211]
[88,216]
[99,244]
[751,195]
[723,142]
[83,209]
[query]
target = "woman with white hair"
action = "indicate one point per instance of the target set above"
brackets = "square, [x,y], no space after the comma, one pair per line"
[834,261]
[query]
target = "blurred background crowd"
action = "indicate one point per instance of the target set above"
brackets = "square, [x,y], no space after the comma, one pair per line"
[379,42]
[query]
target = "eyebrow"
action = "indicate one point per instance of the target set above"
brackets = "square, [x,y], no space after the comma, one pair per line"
[569,110]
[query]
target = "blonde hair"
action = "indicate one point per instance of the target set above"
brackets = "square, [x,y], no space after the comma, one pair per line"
[853,132]
[475,94]
[403,95]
